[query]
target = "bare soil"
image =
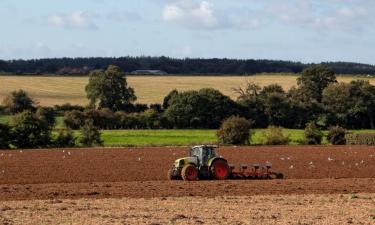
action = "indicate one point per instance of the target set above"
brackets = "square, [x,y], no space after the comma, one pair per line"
[141,172]
[262,209]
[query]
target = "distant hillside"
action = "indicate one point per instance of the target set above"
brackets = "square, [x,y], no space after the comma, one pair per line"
[171,66]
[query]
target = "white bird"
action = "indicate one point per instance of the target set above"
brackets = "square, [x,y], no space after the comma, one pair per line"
[291,167]
[311,163]
[362,162]
[343,163]
[63,157]
[68,153]
[3,171]
[63,150]
[288,158]
[282,159]
[356,164]
[330,159]
[21,151]
[139,158]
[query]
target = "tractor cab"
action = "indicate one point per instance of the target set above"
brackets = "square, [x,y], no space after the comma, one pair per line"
[203,153]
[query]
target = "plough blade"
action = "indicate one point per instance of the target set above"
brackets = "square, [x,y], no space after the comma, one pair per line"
[254,171]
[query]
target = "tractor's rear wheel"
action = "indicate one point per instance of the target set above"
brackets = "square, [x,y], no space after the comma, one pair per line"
[189,173]
[220,170]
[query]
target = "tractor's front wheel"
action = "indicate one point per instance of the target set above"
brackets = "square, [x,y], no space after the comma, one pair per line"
[189,173]
[220,170]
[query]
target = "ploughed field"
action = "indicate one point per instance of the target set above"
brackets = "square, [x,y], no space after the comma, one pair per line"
[141,172]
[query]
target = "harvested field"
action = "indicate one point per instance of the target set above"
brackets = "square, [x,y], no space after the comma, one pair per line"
[276,209]
[141,172]
[52,90]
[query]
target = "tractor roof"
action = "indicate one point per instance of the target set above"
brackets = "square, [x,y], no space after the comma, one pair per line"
[202,146]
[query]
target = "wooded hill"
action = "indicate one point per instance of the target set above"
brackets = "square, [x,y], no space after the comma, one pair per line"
[187,66]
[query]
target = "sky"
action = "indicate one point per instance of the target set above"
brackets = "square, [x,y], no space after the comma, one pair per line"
[296,30]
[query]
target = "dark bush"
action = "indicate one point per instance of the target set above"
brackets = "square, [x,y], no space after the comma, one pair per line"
[313,135]
[274,136]
[360,139]
[65,138]
[90,135]
[336,135]
[68,107]
[234,130]
[74,119]
[4,136]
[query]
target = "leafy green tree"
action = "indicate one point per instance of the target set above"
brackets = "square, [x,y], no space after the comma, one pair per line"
[313,135]
[252,105]
[90,135]
[19,101]
[234,130]
[109,89]
[314,79]
[5,136]
[205,108]
[30,131]
[351,104]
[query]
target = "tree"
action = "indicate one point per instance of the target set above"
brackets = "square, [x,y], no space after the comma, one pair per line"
[314,79]
[350,104]
[19,101]
[90,135]
[313,135]
[30,131]
[252,104]
[168,97]
[4,136]
[109,89]
[234,130]
[205,108]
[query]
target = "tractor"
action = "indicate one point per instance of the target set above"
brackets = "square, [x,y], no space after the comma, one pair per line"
[203,163]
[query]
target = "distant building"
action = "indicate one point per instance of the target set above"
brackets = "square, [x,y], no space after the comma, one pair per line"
[148,72]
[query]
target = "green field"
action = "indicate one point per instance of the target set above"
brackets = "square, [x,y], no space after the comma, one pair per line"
[117,138]
[56,90]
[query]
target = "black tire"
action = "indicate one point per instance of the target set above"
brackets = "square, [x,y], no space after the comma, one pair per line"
[189,173]
[220,170]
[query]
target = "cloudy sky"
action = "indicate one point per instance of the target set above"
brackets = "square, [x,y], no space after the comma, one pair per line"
[298,30]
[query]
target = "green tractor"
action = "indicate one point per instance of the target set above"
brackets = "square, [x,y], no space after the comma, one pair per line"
[203,163]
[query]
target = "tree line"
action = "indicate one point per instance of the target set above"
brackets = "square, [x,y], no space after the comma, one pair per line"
[193,66]
[318,100]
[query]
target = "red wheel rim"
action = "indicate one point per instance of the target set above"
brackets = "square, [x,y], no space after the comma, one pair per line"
[221,170]
[191,173]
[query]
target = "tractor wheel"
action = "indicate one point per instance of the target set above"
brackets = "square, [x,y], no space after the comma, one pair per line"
[189,173]
[220,170]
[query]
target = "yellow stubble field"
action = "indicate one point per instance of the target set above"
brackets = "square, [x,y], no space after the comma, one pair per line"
[52,90]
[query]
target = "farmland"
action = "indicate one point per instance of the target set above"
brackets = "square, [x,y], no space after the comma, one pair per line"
[129,186]
[52,90]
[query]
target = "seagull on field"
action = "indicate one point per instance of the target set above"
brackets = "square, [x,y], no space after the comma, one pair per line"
[330,159]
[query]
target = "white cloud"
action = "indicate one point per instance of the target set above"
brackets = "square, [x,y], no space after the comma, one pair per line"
[200,15]
[78,19]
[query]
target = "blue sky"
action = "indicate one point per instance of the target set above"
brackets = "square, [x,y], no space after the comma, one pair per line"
[298,30]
